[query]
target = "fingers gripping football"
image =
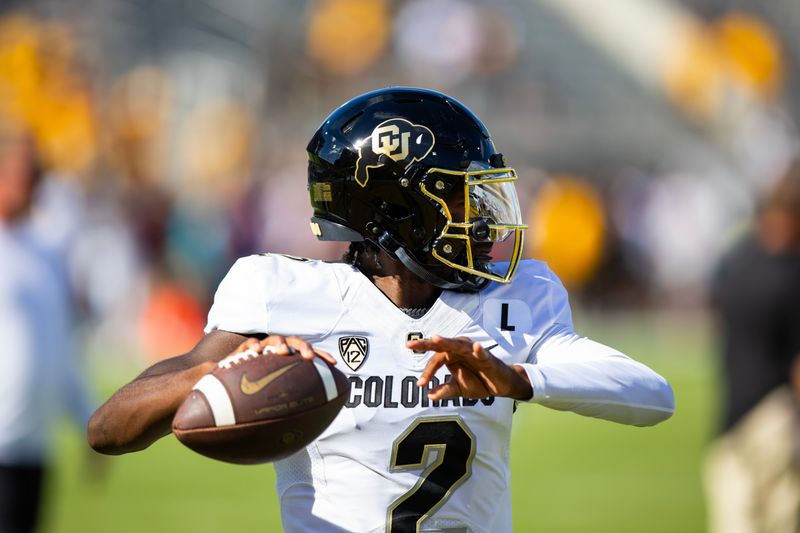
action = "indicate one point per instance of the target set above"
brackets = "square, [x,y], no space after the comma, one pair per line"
[475,372]
[262,402]
[280,345]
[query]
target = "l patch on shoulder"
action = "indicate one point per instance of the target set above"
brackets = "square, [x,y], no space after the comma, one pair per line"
[354,351]
[507,316]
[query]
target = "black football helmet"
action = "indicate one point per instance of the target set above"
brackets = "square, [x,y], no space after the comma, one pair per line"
[415,172]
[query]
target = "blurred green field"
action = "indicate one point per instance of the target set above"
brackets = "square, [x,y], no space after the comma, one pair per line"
[570,474]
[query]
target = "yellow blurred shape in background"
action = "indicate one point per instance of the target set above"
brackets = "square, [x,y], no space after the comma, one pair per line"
[20,77]
[38,87]
[216,147]
[752,51]
[567,227]
[737,51]
[694,70]
[347,36]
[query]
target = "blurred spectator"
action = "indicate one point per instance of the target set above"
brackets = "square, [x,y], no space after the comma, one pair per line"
[682,223]
[39,377]
[753,468]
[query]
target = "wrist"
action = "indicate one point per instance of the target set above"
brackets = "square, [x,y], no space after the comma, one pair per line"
[191,376]
[522,388]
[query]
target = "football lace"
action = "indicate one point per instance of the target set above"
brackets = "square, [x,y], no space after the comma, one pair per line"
[238,358]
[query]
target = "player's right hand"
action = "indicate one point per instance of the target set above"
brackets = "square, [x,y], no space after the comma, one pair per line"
[281,345]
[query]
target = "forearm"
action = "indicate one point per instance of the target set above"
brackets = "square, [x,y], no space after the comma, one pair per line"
[619,391]
[522,389]
[141,412]
[576,374]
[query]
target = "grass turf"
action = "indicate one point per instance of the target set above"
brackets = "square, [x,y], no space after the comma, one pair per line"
[569,473]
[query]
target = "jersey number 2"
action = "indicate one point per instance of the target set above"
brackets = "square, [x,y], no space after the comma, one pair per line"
[454,447]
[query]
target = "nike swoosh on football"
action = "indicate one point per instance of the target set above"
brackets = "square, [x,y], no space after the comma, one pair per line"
[251,387]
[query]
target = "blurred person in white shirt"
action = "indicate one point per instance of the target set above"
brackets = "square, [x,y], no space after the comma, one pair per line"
[39,378]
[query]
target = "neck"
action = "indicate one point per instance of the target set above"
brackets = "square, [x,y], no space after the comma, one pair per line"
[404,288]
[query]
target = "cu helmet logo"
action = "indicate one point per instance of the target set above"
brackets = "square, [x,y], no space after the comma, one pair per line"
[399,140]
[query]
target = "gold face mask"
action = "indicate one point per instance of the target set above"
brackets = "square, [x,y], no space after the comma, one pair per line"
[481,216]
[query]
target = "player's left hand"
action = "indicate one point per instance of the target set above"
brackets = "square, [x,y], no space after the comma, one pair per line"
[476,372]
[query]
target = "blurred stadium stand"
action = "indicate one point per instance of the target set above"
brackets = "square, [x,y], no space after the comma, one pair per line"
[180,126]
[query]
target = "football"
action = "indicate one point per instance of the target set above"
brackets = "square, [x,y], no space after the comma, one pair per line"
[260,407]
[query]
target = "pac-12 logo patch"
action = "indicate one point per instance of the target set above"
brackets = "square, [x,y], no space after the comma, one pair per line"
[398,139]
[354,351]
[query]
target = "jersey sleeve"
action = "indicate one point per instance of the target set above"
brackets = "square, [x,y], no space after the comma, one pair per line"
[279,295]
[573,373]
[558,301]
[240,303]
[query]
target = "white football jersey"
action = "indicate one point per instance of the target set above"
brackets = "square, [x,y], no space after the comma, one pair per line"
[393,460]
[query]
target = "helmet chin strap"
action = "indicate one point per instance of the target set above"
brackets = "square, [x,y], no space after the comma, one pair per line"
[423,273]
[392,247]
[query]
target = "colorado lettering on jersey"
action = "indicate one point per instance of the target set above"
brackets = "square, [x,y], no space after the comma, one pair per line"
[382,391]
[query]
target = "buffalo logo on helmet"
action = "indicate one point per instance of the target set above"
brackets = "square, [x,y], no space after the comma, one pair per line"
[397,139]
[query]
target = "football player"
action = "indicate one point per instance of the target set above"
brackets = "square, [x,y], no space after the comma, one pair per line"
[438,323]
